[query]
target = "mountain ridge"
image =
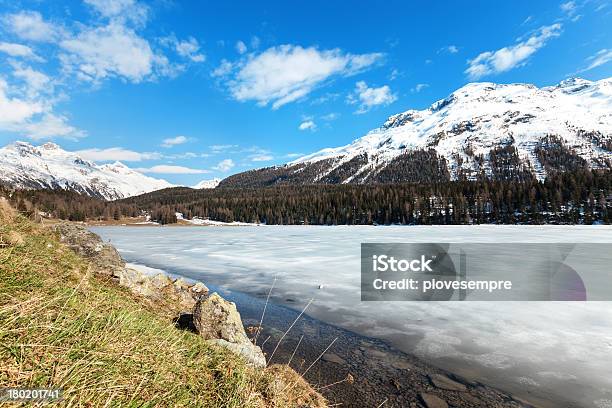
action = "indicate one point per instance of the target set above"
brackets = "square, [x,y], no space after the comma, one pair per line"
[23,165]
[481,129]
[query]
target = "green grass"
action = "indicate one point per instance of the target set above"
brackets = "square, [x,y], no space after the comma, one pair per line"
[63,327]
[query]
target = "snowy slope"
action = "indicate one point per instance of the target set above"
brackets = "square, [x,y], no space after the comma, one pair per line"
[23,165]
[484,114]
[208,183]
[464,128]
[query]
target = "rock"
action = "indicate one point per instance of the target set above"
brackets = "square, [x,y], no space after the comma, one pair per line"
[199,288]
[378,354]
[161,281]
[401,365]
[180,284]
[333,358]
[216,318]
[445,383]
[103,256]
[250,352]
[185,300]
[159,288]
[138,283]
[433,401]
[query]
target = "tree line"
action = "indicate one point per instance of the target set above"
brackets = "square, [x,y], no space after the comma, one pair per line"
[581,196]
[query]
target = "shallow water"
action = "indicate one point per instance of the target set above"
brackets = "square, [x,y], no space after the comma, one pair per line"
[543,351]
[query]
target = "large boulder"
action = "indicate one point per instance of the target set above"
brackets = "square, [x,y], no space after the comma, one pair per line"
[103,256]
[218,321]
[176,295]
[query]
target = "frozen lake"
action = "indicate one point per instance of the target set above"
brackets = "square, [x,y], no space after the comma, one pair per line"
[538,350]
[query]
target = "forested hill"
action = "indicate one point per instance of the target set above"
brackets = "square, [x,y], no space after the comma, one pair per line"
[583,196]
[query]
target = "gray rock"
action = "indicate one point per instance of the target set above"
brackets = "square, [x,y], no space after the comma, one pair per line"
[333,358]
[433,401]
[103,256]
[216,318]
[218,321]
[199,289]
[137,282]
[402,365]
[251,353]
[445,383]
[180,284]
[161,281]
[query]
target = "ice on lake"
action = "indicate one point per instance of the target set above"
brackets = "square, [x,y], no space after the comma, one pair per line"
[541,350]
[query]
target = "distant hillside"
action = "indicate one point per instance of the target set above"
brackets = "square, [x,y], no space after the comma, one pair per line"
[581,196]
[25,166]
[497,131]
[212,183]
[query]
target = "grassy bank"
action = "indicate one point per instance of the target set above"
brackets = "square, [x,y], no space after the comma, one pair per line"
[61,326]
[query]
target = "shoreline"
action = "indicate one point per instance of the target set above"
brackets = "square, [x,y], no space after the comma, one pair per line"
[380,371]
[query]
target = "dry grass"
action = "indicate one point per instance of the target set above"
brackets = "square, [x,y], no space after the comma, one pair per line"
[63,327]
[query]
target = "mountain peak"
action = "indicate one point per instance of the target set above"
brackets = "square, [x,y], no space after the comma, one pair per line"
[213,183]
[464,134]
[50,146]
[573,81]
[23,165]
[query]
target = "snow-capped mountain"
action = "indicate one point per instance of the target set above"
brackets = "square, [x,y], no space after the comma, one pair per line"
[23,165]
[208,183]
[496,130]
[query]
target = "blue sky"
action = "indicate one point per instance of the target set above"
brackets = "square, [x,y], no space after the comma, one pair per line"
[194,90]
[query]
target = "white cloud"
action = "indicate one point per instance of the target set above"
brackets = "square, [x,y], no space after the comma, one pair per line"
[113,50]
[241,47]
[18,50]
[569,7]
[189,48]
[255,42]
[225,165]
[173,141]
[262,157]
[223,69]
[327,97]
[451,49]
[31,118]
[507,58]
[35,82]
[308,125]
[14,110]
[117,154]
[330,116]
[220,148]
[49,125]
[600,58]
[286,73]
[169,169]
[120,9]
[366,98]
[395,73]
[527,20]
[29,25]
[419,87]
